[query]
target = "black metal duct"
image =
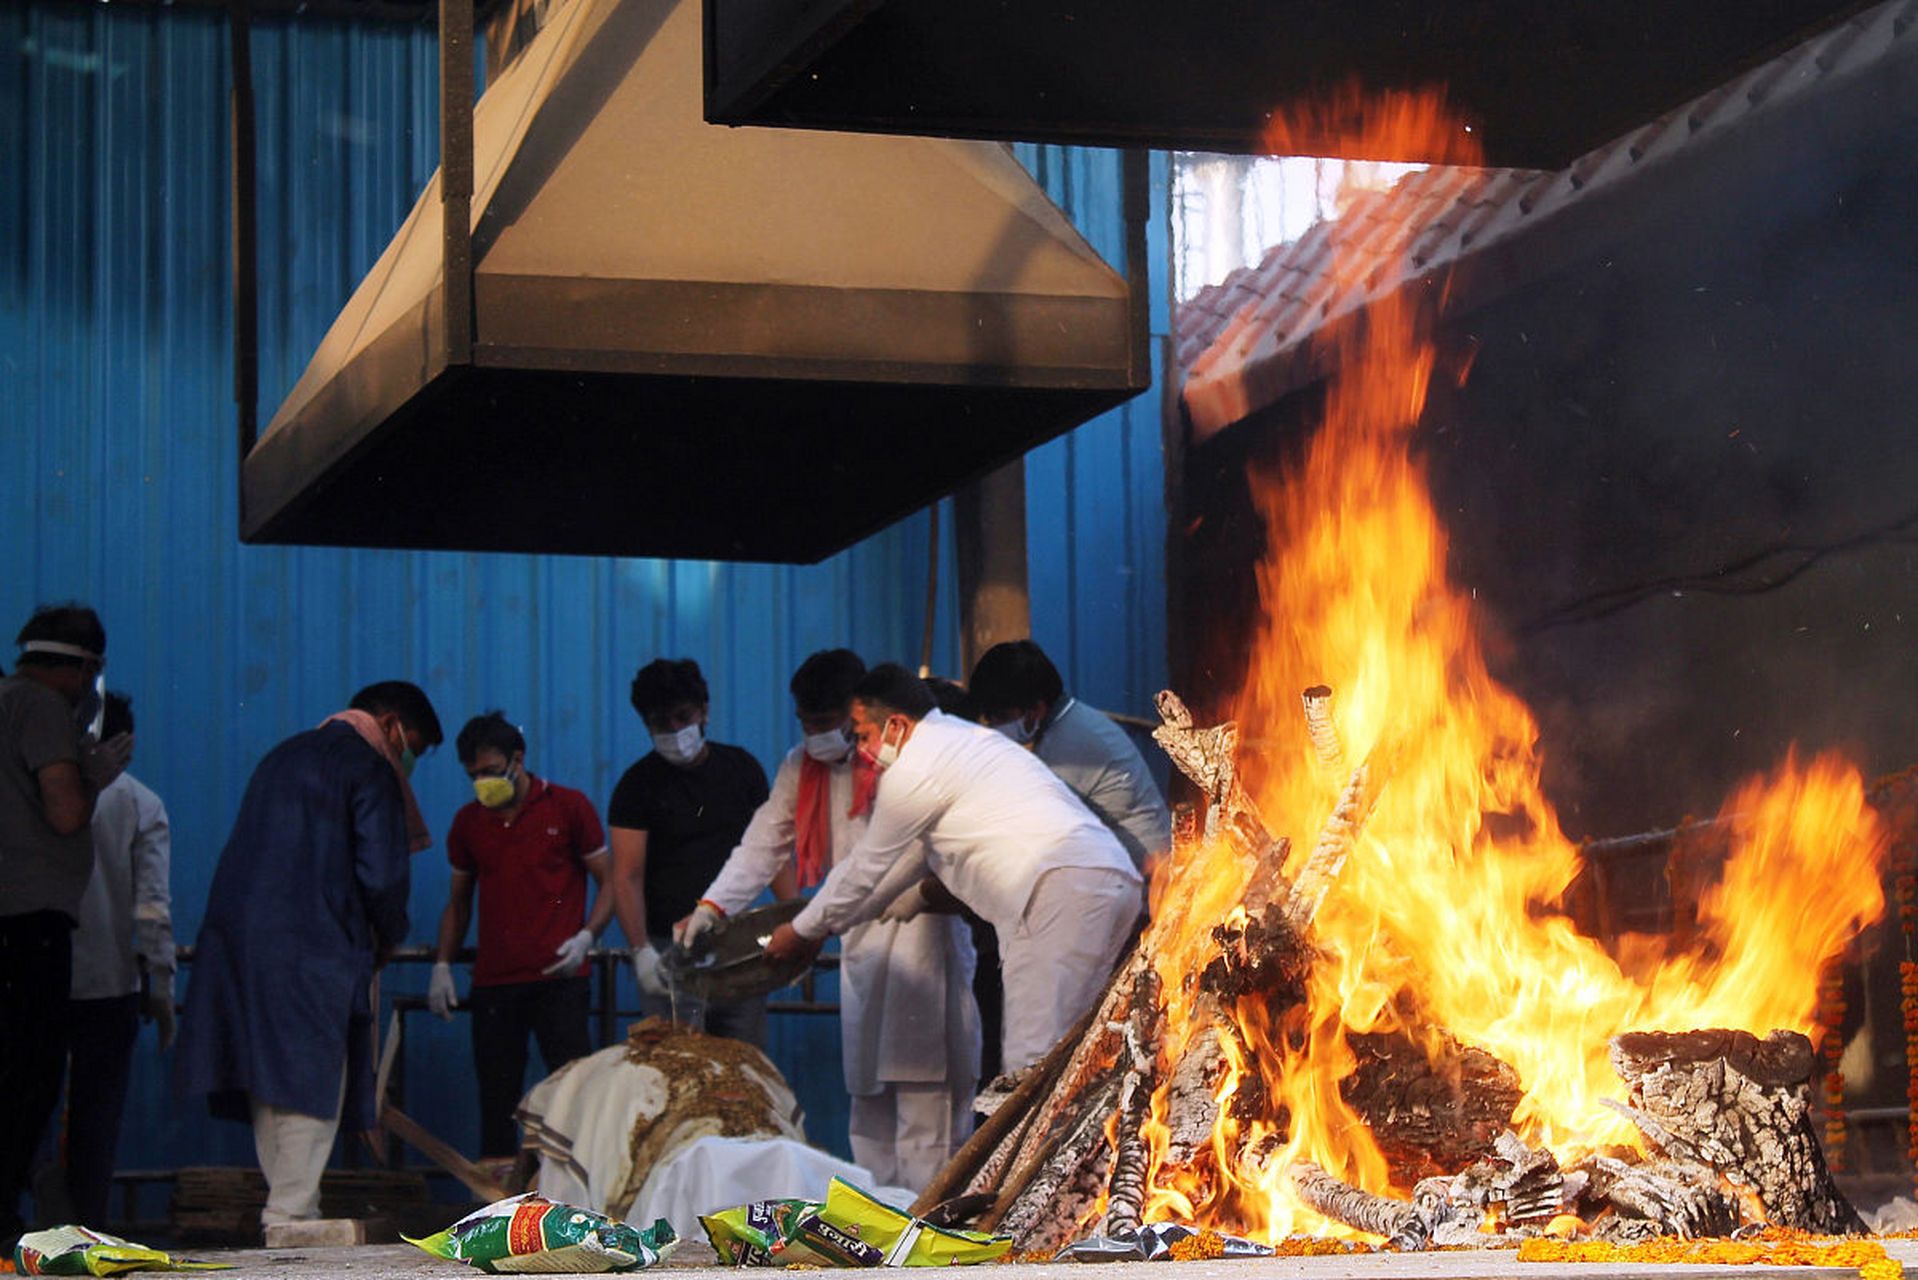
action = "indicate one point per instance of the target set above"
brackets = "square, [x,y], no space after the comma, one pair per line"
[688,340]
[1540,83]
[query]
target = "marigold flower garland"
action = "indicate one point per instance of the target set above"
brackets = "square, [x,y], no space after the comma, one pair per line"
[1772,1249]
[1830,1017]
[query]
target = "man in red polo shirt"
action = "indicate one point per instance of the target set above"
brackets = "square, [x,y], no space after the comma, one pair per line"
[528,846]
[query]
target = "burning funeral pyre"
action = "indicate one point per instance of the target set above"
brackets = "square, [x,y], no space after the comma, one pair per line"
[1359,1006]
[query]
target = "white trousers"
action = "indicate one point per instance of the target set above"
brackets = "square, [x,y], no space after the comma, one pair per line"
[293,1148]
[905,1133]
[1057,961]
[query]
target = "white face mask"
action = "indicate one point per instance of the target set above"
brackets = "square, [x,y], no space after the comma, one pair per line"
[829,747]
[682,747]
[887,754]
[1017,729]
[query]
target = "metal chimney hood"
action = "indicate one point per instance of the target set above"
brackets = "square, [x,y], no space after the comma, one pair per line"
[1541,83]
[688,340]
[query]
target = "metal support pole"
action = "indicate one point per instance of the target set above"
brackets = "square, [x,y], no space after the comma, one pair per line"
[1135,180]
[989,548]
[456,175]
[246,260]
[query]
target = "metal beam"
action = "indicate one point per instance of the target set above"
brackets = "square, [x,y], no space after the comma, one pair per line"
[456,175]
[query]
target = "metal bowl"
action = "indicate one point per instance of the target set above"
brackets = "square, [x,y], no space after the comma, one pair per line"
[729,961]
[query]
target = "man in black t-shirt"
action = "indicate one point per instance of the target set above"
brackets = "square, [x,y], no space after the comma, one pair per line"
[675,816]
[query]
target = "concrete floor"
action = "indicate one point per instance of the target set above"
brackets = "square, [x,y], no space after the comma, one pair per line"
[404,1262]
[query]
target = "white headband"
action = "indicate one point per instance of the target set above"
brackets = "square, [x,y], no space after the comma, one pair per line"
[60,647]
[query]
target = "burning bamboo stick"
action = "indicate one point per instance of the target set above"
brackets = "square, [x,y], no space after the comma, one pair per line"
[1334,846]
[1319,727]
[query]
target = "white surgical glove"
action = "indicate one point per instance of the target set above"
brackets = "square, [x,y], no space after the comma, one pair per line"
[102,762]
[648,970]
[908,904]
[441,994]
[703,918]
[571,954]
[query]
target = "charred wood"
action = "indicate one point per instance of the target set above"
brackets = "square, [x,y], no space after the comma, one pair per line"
[1319,727]
[1126,1190]
[1396,1220]
[1516,1186]
[1661,1197]
[1042,1209]
[1742,1106]
[1431,1113]
[1125,1195]
[1210,758]
[1263,955]
[1090,1056]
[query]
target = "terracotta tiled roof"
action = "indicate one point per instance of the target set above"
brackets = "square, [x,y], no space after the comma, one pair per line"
[1241,343]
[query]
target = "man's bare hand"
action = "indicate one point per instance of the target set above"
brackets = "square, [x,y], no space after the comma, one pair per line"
[787,943]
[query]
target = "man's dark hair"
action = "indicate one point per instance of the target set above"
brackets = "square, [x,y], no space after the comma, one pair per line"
[891,689]
[951,696]
[70,623]
[825,681]
[118,718]
[407,701]
[1014,674]
[489,730]
[665,683]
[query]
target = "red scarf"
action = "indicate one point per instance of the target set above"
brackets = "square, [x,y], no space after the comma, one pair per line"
[417,836]
[812,813]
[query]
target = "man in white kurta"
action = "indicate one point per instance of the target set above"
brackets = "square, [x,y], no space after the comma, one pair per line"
[1004,835]
[1018,692]
[908,1024]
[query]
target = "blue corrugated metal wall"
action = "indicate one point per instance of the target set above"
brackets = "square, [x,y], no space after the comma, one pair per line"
[115,376]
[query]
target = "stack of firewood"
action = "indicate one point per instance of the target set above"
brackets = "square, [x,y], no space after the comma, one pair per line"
[1063,1153]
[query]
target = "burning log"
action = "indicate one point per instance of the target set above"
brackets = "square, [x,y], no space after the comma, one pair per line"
[1518,1187]
[1063,1180]
[1742,1106]
[1210,758]
[1432,1112]
[1397,1220]
[1091,1056]
[1126,1192]
[1334,846]
[1319,727]
[1060,1194]
[1659,1198]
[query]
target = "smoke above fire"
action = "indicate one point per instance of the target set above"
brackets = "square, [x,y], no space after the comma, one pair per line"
[1446,918]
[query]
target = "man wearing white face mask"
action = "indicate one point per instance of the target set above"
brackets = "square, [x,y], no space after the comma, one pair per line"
[674,816]
[526,846]
[908,1025]
[1004,835]
[1019,693]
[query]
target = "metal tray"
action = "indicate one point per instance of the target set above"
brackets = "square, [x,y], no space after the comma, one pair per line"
[729,961]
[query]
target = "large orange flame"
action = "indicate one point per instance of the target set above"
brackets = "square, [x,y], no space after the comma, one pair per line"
[1448,904]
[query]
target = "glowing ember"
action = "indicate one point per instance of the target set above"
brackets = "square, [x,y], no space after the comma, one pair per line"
[1445,913]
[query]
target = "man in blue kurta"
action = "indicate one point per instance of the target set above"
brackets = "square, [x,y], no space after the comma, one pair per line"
[309,895]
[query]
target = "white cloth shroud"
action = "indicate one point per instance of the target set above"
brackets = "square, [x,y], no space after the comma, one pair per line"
[718,1173]
[580,1120]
